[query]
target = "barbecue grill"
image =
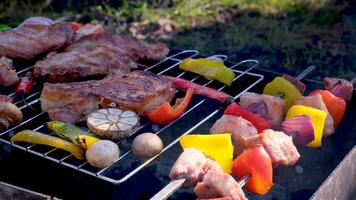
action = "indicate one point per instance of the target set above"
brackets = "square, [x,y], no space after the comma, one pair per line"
[132,178]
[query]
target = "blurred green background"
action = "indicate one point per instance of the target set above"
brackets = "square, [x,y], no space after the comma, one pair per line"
[284,35]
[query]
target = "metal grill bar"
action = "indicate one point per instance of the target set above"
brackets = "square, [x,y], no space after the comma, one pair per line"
[170,64]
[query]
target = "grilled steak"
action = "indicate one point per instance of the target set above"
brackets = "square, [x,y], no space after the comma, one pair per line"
[97,55]
[138,91]
[8,75]
[29,41]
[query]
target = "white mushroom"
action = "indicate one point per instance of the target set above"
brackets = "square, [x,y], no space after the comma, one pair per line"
[113,123]
[147,145]
[10,115]
[102,153]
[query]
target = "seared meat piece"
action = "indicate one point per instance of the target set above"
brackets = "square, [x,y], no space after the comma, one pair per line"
[280,147]
[216,184]
[29,41]
[297,83]
[192,165]
[8,75]
[339,87]
[275,105]
[88,29]
[317,102]
[97,55]
[5,98]
[244,134]
[138,91]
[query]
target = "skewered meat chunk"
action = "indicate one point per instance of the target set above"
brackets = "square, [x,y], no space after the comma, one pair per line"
[339,87]
[216,184]
[97,55]
[244,134]
[28,41]
[280,147]
[317,102]
[275,105]
[138,91]
[192,166]
[8,75]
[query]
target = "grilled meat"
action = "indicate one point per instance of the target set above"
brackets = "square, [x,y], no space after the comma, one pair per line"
[339,87]
[29,41]
[8,75]
[244,134]
[275,105]
[217,184]
[192,165]
[317,102]
[88,29]
[97,55]
[280,147]
[5,98]
[138,91]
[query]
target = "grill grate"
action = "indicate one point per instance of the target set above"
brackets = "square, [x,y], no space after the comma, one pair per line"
[128,165]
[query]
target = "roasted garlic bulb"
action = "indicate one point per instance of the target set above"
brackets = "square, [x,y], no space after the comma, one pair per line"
[113,123]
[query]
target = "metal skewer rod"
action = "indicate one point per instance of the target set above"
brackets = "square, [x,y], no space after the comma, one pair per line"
[174,185]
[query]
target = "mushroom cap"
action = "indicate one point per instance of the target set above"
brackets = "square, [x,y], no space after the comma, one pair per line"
[11,113]
[102,153]
[147,145]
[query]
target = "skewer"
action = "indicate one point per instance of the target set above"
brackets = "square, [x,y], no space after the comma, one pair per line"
[173,186]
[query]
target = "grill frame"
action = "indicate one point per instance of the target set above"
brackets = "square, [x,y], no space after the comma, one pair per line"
[176,58]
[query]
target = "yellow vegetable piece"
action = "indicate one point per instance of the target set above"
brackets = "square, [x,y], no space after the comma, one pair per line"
[318,118]
[44,139]
[281,85]
[85,141]
[217,147]
[211,70]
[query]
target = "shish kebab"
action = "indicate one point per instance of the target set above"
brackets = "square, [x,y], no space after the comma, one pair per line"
[173,186]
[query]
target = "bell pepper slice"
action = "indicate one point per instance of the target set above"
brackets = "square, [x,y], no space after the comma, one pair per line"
[255,162]
[257,120]
[218,146]
[44,139]
[75,26]
[318,119]
[335,105]
[281,85]
[211,93]
[166,113]
[211,70]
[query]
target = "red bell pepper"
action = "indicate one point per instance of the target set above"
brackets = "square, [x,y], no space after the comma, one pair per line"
[75,26]
[183,84]
[335,105]
[256,163]
[257,120]
[166,113]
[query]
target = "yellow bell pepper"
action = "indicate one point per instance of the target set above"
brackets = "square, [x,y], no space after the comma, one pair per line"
[281,85]
[211,70]
[217,147]
[44,139]
[318,118]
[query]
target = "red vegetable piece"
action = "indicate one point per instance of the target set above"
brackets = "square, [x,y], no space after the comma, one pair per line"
[183,84]
[25,85]
[165,113]
[303,126]
[335,105]
[257,163]
[75,26]
[258,121]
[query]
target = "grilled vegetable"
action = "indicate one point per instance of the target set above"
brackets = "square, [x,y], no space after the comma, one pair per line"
[257,120]
[102,153]
[211,70]
[43,139]
[335,105]
[10,115]
[184,85]
[24,87]
[165,113]
[4,27]
[76,26]
[147,145]
[67,131]
[216,146]
[318,119]
[255,162]
[303,126]
[85,141]
[281,85]
[112,123]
